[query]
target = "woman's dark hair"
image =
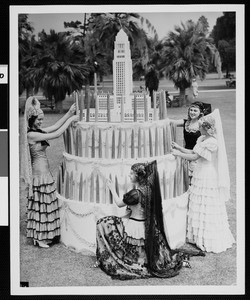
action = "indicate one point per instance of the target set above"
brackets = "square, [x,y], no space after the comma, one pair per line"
[31,121]
[140,173]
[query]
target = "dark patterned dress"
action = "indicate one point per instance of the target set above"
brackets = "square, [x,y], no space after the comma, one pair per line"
[121,244]
[43,222]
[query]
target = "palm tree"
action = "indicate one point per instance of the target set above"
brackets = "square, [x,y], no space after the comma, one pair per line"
[90,53]
[25,44]
[55,68]
[152,81]
[187,53]
[153,71]
[106,27]
[98,33]
[149,59]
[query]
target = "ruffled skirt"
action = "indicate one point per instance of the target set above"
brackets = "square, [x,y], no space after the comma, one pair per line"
[207,222]
[119,254]
[43,220]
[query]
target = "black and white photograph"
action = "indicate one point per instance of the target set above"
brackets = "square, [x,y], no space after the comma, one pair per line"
[127,149]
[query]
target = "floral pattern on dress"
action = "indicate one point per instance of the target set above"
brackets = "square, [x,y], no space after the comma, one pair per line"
[119,259]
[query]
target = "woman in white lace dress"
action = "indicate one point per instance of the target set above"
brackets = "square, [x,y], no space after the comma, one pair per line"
[207,221]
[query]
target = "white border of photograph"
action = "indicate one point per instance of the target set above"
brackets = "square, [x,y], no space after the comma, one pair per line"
[239,287]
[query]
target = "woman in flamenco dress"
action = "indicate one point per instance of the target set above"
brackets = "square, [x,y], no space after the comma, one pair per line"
[135,246]
[43,223]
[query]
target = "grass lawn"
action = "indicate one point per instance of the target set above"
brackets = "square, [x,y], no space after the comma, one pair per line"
[59,266]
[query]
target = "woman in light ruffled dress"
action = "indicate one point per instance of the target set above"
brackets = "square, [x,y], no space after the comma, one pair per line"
[207,221]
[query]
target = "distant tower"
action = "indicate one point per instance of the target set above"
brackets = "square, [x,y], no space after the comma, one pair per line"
[122,69]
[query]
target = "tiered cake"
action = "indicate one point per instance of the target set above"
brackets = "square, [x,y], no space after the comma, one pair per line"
[107,148]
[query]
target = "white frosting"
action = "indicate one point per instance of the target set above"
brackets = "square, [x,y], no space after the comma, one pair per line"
[85,179]
[119,140]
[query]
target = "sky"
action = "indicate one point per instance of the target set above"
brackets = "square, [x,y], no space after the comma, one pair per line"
[163,22]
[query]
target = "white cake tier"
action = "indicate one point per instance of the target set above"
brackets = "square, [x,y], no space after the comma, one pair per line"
[119,140]
[78,221]
[84,179]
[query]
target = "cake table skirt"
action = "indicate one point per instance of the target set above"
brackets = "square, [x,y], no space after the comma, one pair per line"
[78,221]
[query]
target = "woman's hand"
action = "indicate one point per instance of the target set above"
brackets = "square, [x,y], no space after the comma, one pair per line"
[175,146]
[74,118]
[111,185]
[72,109]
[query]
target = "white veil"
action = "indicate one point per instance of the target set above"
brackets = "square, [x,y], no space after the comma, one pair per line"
[31,105]
[223,171]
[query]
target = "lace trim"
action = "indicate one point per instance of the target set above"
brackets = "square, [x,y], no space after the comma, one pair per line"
[188,129]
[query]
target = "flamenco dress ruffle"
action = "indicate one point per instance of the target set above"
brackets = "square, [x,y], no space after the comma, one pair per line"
[43,221]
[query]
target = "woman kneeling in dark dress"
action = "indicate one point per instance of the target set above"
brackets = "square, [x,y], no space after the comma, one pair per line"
[135,246]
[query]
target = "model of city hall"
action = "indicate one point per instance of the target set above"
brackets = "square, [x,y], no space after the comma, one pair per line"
[121,102]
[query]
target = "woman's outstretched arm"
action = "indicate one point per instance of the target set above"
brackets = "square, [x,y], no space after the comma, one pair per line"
[188,156]
[178,123]
[61,121]
[181,149]
[38,137]
[118,200]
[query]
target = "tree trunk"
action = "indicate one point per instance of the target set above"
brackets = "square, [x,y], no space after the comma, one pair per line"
[182,98]
[29,92]
[101,80]
[59,107]
[151,96]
